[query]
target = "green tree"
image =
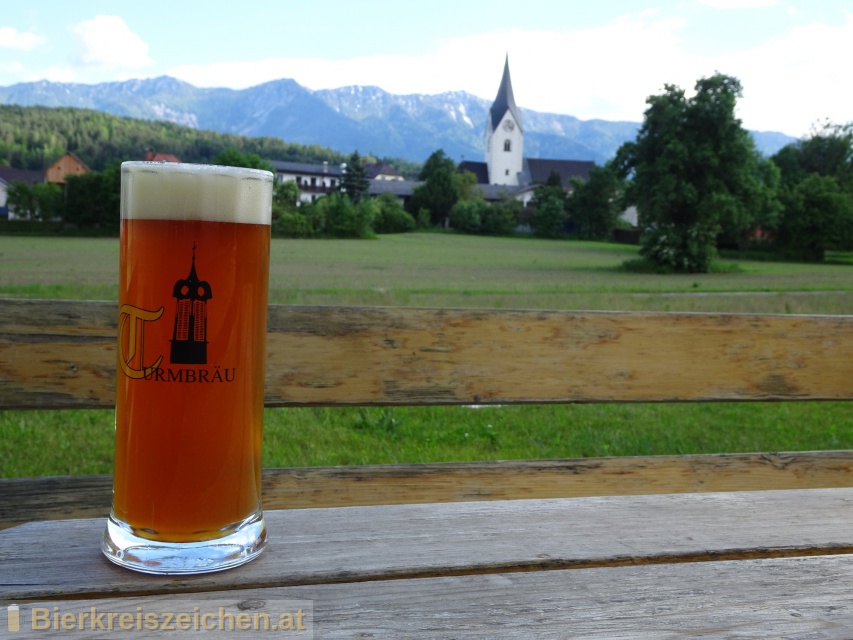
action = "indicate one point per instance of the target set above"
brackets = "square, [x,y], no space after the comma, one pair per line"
[549,208]
[392,217]
[502,217]
[467,215]
[285,197]
[50,200]
[439,191]
[354,182]
[92,200]
[693,169]
[818,215]
[287,220]
[816,175]
[22,201]
[552,189]
[549,217]
[465,185]
[345,218]
[236,158]
[437,162]
[595,204]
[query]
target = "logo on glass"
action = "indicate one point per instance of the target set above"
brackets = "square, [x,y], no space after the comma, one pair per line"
[189,337]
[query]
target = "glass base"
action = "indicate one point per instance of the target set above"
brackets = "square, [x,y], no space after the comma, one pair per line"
[244,543]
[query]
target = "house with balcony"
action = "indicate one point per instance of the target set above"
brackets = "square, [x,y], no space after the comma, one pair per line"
[314,180]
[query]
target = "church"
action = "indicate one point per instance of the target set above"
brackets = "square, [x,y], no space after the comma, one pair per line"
[505,168]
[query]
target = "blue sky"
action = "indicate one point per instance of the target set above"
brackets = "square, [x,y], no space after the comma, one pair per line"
[590,59]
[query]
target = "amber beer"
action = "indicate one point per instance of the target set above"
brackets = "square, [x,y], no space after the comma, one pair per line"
[194,264]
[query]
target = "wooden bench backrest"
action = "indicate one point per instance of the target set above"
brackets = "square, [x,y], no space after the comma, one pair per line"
[61,354]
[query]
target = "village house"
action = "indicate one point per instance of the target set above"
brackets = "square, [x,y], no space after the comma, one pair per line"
[314,180]
[66,165]
[383,171]
[155,156]
[8,176]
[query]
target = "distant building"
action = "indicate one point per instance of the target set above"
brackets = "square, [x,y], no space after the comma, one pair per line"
[154,156]
[9,175]
[313,180]
[382,171]
[67,165]
[401,189]
[505,163]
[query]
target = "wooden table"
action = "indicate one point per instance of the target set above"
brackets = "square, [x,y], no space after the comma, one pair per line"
[766,564]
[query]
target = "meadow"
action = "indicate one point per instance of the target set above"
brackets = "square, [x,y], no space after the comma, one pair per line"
[448,270]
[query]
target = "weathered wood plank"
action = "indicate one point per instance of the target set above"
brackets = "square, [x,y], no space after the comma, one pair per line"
[316,546]
[69,497]
[61,354]
[774,598]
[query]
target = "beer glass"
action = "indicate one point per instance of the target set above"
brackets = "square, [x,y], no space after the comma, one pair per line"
[193,274]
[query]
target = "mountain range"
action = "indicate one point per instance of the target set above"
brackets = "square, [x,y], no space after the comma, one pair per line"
[362,118]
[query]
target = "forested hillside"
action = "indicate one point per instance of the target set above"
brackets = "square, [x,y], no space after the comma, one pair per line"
[33,137]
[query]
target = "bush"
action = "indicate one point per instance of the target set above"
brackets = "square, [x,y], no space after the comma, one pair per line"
[347,220]
[501,218]
[292,225]
[467,215]
[683,249]
[392,217]
[549,218]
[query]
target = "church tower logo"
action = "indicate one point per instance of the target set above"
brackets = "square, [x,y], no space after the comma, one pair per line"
[189,338]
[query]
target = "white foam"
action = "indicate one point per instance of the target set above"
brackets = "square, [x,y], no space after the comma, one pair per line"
[179,191]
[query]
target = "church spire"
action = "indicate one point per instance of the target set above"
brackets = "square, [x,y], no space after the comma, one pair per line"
[504,101]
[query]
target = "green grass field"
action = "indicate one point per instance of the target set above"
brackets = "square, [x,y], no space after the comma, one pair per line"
[446,270]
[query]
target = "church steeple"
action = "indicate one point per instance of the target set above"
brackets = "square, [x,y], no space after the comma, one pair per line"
[504,101]
[504,136]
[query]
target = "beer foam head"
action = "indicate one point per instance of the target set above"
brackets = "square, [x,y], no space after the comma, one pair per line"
[178,191]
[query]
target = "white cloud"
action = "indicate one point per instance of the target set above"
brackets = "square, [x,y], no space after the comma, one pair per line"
[107,42]
[10,38]
[794,81]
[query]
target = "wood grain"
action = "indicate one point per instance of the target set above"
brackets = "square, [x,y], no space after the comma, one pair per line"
[58,354]
[356,544]
[58,498]
[774,598]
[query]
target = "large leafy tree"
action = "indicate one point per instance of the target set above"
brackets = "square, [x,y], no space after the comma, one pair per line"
[826,151]
[817,192]
[693,170]
[440,188]
[437,162]
[549,208]
[818,216]
[595,204]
